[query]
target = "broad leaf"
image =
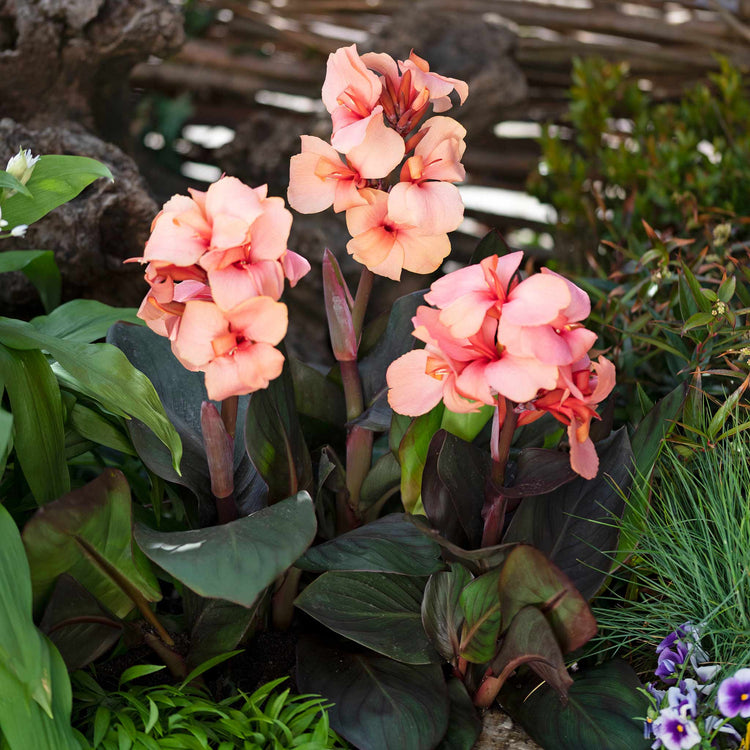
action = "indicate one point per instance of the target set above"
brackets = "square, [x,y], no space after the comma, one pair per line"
[442,615]
[480,603]
[81,629]
[467,426]
[381,481]
[395,341]
[40,268]
[274,440]
[530,640]
[237,560]
[103,373]
[412,455]
[83,320]
[377,610]
[529,578]
[38,421]
[24,724]
[391,544]
[464,726]
[93,426]
[6,437]
[493,243]
[453,485]
[602,710]
[378,703]
[539,471]
[88,534]
[575,525]
[24,657]
[182,392]
[56,179]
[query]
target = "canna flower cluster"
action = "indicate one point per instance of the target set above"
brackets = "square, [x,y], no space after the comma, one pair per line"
[217,262]
[490,337]
[685,715]
[398,218]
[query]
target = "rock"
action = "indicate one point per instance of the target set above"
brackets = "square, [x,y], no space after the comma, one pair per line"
[499,732]
[91,235]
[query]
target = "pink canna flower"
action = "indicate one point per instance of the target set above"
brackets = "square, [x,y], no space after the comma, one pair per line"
[386,246]
[580,389]
[163,317]
[234,348]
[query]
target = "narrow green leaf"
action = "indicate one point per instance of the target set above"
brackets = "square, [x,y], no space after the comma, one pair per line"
[6,437]
[40,268]
[56,179]
[697,293]
[38,421]
[104,373]
[94,427]
[139,670]
[726,410]
[102,719]
[209,664]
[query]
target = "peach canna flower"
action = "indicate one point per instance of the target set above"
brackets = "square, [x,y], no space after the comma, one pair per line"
[439,86]
[424,196]
[234,348]
[387,247]
[319,178]
[351,94]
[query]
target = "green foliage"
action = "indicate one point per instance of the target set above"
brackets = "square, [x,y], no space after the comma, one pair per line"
[693,553]
[653,197]
[185,717]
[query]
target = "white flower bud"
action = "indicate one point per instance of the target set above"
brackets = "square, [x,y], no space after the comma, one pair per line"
[19,231]
[22,165]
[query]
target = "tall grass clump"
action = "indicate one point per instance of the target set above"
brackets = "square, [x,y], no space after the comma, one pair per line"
[692,562]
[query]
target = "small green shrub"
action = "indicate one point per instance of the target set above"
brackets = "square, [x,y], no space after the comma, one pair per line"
[185,717]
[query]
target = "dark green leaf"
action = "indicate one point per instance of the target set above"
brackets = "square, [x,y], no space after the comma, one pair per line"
[237,560]
[102,372]
[79,643]
[464,726]
[529,578]
[274,440]
[391,544]
[83,320]
[377,610]
[38,421]
[93,426]
[699,319]
[453,485]
[480,603]
[493,243]
[395,341]
[442,615]
[601,712]
[87,533]
[539,471]
[412,455]
[6,437]
[40,268]
[56,179]
[382,479]
[530,640]
[316,396]
[378,703]
[574,526]
[697,294]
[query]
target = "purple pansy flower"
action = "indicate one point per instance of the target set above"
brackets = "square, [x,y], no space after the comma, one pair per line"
[684,699]
[674,731]
[670,660]
[734,695]
[711,723]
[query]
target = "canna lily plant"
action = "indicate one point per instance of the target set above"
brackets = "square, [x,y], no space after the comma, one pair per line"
[437,531]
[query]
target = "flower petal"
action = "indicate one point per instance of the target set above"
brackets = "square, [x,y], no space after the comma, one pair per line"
[412,391]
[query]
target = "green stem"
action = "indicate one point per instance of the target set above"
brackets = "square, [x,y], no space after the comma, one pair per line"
[355,404]
[282,604]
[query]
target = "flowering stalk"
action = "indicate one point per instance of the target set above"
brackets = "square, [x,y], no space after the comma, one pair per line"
[219,446]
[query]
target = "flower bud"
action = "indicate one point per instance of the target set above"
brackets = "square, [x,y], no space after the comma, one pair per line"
[22,165]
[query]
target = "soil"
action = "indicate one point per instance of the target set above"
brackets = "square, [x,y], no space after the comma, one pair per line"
[500,732]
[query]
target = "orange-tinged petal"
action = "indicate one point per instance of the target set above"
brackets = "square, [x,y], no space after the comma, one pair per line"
[583,458]
[464,317]
[377,249]
[373,214]
[201,323]
[228,232]
[174,243]
[270,231]
[412,392]
[379,153]
[347,196]
[520,379]
[423,253]
[349,132]
[432,207]
[260,319]
[233,285]
[605,372]
[232,197]
[309,193]
[345,71]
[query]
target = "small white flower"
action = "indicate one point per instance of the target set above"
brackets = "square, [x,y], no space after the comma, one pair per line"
[19,231]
